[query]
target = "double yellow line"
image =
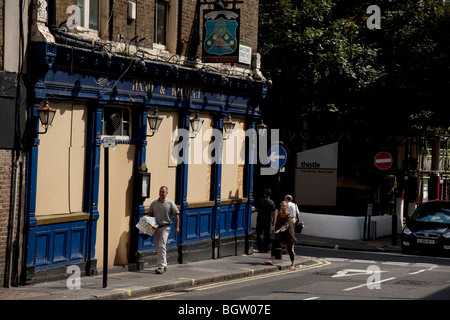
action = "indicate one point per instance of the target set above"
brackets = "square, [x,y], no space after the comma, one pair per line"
[319,263]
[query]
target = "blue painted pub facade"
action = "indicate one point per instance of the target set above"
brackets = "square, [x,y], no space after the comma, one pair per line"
[212,229]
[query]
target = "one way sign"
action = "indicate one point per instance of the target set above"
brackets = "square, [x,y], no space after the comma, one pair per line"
[277,156]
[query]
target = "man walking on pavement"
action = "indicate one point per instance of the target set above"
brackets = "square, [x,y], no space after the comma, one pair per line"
[292,208]
[163,209]
[265,220]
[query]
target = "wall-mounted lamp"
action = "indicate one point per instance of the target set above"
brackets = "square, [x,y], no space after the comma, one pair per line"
[154,121]
[196,124]
[224,80]
[107,56]
[261,128]
[140,64]
[201,72]
[46,115]
[228,127]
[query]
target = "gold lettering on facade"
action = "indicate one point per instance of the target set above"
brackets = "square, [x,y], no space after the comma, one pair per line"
[221,97]
[102,81]
[175,91]
[196,93]
[142,85]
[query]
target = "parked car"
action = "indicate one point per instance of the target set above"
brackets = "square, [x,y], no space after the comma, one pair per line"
[428,229]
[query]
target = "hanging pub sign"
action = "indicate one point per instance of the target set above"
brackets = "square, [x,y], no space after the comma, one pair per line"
[221,35]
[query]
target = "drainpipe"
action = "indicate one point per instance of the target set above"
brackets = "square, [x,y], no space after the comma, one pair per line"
[179,45]
[111,19]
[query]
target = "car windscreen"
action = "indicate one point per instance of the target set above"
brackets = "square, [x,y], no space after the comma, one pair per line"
[433,213]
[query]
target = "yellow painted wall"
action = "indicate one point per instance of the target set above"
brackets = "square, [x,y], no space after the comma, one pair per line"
[121,162]
[158,157]
[199,175]
[233,161]
[61,160]
[61,172]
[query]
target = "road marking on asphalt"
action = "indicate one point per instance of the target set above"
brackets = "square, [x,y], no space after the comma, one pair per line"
[192,280]
[159,295]
[393,263]
[428,266]
[312,298]
[355,272]
[336,259]
[372,283]
[423,270]
[128,291]
[251,270]
[319,263]
[425,265]
[363,261]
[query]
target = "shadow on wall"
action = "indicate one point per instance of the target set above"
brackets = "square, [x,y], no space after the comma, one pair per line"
[123,249]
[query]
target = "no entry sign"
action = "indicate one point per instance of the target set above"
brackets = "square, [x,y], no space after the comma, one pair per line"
[383,160]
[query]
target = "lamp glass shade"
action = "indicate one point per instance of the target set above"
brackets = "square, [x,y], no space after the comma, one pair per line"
[46,115]
[145,188]
[261,128]
[196,124]
[154,121]
[228,126]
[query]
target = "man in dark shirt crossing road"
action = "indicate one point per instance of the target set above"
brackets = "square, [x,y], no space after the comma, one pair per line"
[264,221]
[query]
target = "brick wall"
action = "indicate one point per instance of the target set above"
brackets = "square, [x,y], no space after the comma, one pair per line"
[61,8]
[143,25]
[249,24]
[5,195]
[248,30]
[6,179]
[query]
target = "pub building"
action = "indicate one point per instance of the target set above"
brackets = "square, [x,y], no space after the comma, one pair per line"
[113,116]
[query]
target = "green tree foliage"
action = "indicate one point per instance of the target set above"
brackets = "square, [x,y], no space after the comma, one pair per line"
[329,67]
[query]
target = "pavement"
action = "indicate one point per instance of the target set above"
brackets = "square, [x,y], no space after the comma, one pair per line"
[124,284]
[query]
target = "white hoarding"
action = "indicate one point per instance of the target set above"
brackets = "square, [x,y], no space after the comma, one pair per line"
[316,176]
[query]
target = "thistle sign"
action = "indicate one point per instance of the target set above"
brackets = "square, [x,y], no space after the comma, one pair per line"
[221,35]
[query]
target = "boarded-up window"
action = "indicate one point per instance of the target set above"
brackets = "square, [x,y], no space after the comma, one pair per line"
[61,161]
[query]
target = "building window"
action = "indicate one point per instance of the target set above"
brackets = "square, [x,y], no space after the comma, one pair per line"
[161,7]
[89,14]
[117,122]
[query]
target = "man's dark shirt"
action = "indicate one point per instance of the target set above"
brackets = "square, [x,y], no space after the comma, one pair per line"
[265,207]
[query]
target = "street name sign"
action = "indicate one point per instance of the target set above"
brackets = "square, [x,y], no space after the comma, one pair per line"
[109,142]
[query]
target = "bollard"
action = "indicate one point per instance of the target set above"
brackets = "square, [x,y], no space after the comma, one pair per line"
[278,253]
